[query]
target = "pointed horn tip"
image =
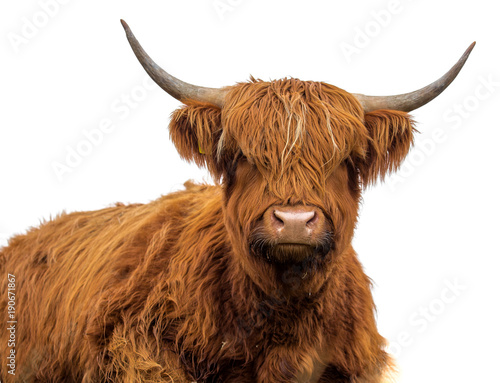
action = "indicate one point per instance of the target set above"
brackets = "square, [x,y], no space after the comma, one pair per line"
[466,55]
[471,47]
[125,25]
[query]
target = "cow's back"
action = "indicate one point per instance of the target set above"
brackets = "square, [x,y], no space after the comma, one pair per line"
[74,270]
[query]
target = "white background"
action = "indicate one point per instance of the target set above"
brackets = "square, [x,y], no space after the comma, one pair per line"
[434,226]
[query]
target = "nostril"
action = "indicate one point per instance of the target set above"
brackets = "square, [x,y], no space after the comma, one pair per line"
[277,219]
[313,220]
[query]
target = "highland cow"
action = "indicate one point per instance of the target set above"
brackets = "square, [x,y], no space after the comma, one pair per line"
[252,279]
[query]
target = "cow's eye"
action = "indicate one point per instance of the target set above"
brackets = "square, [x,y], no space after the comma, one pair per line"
[243,158]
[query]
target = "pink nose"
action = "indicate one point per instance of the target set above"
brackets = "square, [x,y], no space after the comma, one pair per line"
[294,224]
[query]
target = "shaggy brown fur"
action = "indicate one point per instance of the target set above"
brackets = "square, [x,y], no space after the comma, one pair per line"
[174,291]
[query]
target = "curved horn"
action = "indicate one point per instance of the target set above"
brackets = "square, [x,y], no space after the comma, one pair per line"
[173,86]
[413,100]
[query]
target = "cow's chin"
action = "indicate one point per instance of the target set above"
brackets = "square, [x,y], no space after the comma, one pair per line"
[299,269]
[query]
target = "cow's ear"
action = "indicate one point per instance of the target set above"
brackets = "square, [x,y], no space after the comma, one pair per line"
[195,130]
[390,137]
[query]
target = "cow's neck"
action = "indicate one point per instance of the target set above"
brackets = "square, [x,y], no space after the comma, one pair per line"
[273,328]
